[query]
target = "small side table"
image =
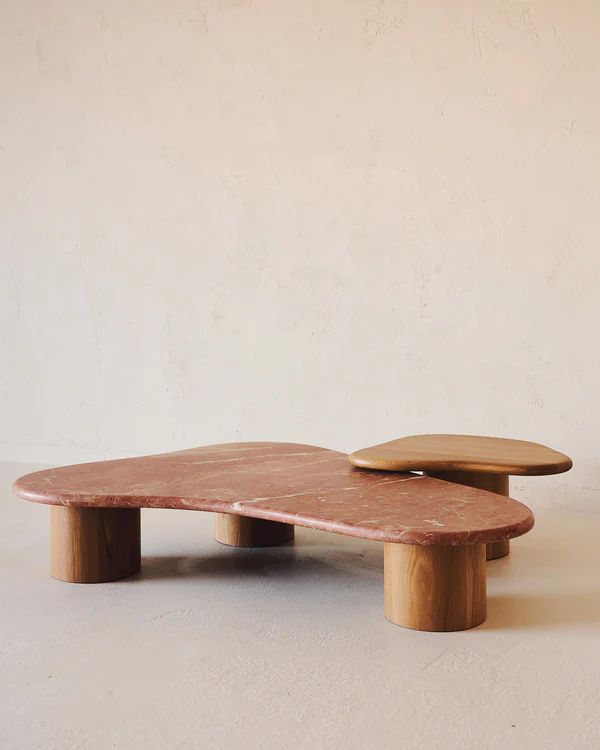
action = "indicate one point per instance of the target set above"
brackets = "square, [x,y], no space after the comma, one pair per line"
[482,462]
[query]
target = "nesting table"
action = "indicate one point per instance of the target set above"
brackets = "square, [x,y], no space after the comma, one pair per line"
[435,526]
[477,461]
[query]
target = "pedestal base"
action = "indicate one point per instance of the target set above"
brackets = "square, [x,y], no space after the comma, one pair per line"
[435,588]
[241,531]
[94,545]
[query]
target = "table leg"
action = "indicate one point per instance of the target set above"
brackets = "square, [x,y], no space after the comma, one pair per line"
[433,587]
[241,531]
[94,545]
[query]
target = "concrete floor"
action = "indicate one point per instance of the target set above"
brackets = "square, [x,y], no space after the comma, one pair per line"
[212,647]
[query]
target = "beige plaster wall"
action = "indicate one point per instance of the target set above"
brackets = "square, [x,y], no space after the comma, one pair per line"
[331,222]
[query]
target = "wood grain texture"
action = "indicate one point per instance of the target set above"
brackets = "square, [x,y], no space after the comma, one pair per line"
[435,588]
[240,531]
[495,550]
[498,483]
[94,545]
[462,453]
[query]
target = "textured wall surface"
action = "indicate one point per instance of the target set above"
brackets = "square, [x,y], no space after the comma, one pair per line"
[328,222]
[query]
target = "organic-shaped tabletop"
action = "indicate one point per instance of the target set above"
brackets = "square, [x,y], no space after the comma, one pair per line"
[462,453]
[290,483]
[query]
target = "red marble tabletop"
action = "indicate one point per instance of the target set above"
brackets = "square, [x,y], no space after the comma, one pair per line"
[297,484]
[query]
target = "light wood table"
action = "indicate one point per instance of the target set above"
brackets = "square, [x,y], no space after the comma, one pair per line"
[476,461]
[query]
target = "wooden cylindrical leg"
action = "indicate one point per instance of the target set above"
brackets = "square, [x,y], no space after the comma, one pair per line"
[241,531]
[494,550]
[435,588]
[94,545]
[497,483]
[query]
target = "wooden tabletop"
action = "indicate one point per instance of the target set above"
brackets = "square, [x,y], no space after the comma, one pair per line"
[462,453]
[296,484]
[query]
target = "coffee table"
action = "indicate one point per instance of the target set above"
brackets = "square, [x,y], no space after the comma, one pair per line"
[434,532]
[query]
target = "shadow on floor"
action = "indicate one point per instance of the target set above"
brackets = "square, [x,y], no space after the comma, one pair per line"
[282,562]
[548,580]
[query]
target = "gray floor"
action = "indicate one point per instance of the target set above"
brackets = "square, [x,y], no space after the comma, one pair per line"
[212,647]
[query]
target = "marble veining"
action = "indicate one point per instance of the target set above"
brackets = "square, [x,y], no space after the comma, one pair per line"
[298,484]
